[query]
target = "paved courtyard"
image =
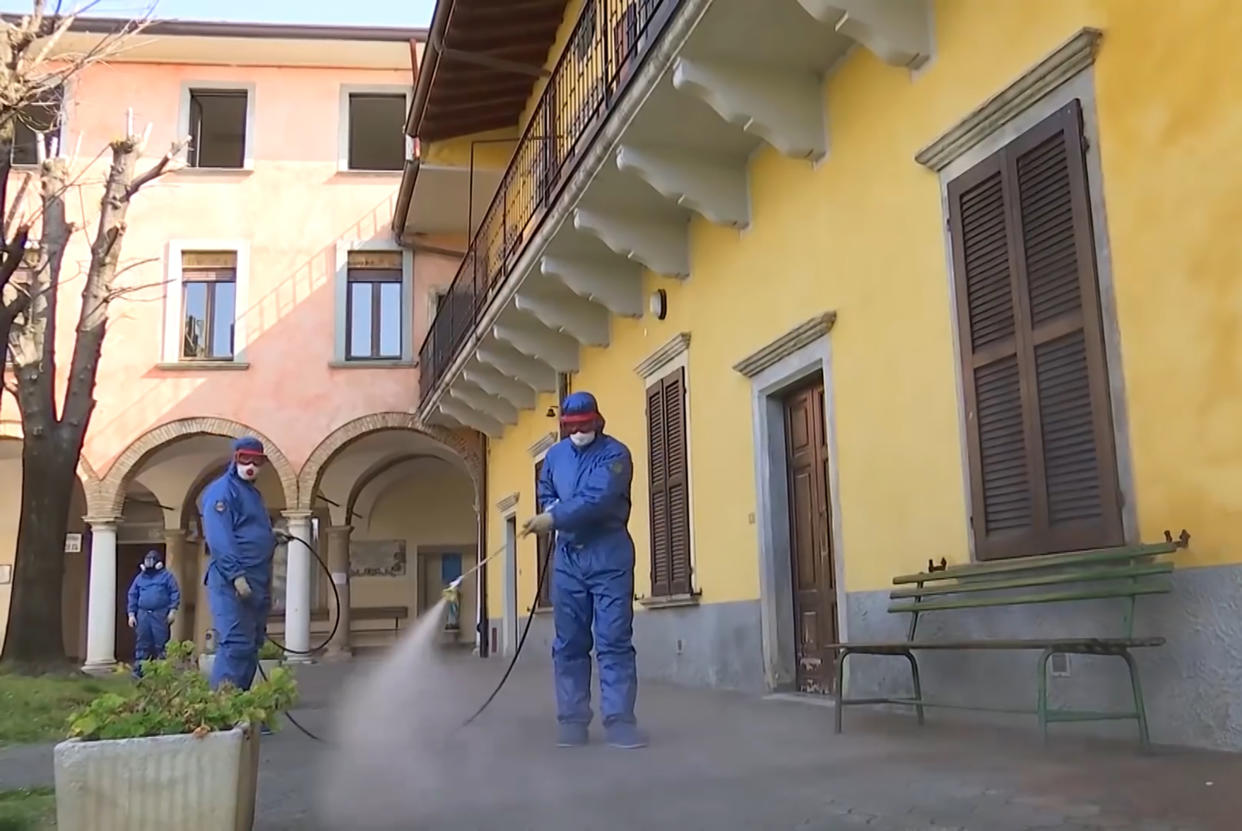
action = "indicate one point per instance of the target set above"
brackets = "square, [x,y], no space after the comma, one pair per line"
[730,761]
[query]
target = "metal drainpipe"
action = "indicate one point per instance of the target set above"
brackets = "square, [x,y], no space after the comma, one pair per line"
[482,625]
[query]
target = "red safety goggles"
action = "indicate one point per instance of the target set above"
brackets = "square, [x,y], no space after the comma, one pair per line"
[579,422]
[249,457]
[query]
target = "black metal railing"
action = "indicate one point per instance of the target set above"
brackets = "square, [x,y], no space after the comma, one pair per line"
[609,41]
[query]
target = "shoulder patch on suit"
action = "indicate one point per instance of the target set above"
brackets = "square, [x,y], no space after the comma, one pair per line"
[220,506]
[617,467]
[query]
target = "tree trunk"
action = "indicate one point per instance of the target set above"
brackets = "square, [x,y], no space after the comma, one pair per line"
[35,635]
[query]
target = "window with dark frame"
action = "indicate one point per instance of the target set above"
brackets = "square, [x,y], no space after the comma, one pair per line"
[37,121]
[218,128]
[208,304]
[1043,467]
[376,131]
[668,485]
[373,313]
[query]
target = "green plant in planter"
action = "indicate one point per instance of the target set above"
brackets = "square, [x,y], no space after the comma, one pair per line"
[270,652]
[174,698]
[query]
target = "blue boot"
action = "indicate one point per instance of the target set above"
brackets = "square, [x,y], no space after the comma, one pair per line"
[571,735]
[626,736]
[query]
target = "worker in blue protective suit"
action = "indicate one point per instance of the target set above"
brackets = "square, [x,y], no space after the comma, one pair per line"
[583,494]
[241,541]
[152,604]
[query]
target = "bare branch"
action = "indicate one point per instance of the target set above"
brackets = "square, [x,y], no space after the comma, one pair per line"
[18,201]
[159,168]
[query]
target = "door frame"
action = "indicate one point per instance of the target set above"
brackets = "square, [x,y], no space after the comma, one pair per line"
[508,623]
[795,361]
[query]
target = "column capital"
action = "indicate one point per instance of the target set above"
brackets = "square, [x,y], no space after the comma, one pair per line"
[294,515]
[174,533]
[340,530]
[102,522]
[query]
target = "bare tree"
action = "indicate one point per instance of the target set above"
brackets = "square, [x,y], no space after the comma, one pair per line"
[36,235]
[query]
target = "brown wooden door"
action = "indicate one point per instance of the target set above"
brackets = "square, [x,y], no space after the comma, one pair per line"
[815,597]
[128,559]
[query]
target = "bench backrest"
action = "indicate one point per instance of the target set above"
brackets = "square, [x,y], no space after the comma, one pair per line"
[1122,572]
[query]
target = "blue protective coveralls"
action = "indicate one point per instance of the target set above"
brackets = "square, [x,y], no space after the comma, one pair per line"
[240,540]
[152,595]
[588,489]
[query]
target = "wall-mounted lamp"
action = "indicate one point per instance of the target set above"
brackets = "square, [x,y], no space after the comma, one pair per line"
[551,412]
[659,304]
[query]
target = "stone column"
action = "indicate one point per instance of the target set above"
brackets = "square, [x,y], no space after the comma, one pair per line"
[101,597]
[338,563]
[177,561]
[298,585]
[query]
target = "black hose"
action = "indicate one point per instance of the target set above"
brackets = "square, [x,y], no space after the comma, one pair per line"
[335,625]
[522,640]
[336,597]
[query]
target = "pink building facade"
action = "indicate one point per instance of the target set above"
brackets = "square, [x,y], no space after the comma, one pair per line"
[267,295]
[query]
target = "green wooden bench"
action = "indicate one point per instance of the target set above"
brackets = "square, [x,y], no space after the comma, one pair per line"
[1125,573]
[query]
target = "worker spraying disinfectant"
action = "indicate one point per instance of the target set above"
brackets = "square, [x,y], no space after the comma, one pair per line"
[395,749]
[583,494]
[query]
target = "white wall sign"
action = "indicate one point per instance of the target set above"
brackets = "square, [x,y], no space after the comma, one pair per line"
[6,574]
[73,543]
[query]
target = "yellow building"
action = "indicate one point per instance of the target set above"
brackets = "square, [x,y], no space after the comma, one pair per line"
[861,283]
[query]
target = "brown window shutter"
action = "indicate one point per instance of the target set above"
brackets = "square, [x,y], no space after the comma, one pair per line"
[1042,459]
[669,486]
[678,479]
[657,479]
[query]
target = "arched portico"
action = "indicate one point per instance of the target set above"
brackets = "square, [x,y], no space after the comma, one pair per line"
[144,501]
[418,489]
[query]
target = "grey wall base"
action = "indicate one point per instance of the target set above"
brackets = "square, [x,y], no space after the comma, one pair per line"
[714,645]
[1192,685]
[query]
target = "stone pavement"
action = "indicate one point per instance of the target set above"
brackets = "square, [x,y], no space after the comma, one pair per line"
[723,760]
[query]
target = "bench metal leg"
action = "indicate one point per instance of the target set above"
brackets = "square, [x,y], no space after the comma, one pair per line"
[1044,657]
[839,689]
[1140,709]
[918,688]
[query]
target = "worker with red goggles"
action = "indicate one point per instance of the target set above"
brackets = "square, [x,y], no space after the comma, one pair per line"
[583,495]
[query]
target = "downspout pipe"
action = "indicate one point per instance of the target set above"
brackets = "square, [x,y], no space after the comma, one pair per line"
[431,61]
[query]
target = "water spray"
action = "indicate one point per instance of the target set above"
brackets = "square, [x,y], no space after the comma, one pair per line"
[449,590]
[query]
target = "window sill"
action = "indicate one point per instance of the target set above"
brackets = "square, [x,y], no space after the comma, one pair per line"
[671,601]
[349,171]
[205,366]
[213,171]
[383,364]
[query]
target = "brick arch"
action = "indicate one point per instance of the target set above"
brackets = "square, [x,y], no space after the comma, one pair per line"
[463,444]
[111,491]
[86,471]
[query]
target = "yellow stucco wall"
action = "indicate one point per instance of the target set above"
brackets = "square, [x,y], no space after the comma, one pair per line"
[862,234]
[492,152]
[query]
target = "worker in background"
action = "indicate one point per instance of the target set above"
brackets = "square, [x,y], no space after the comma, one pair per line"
[241,542]
[583,494]
[153,600]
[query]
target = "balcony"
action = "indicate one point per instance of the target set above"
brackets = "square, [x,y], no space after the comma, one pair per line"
[648,120]
[610,38]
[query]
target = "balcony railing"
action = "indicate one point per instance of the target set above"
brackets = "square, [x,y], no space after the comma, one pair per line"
[608,42]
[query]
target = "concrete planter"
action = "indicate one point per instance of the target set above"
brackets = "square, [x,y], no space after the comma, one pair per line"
[188,783]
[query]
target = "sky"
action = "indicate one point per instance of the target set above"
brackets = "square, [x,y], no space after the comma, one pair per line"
[401,13]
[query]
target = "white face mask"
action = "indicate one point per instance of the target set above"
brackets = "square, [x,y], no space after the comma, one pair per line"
[582,439]
[248,472]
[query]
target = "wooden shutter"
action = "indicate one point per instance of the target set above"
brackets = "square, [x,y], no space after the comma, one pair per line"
[669,486]
[544,544]
[1042,460]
